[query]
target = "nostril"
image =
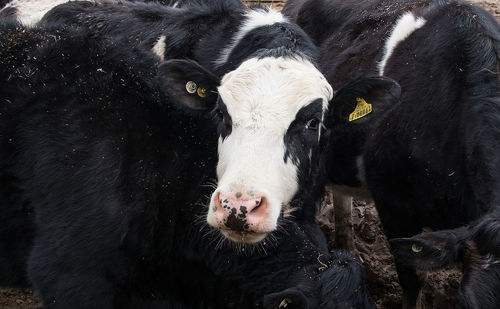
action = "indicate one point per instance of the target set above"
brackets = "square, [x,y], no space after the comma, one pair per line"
[258,205]
[217,201]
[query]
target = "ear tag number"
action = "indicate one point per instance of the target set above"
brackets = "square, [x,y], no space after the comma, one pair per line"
[202,92]
[362,109]
[191,87]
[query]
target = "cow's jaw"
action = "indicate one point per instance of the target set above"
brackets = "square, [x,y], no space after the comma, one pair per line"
[256,177]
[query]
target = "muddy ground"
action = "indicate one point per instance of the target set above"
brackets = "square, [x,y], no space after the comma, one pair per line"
[371,247]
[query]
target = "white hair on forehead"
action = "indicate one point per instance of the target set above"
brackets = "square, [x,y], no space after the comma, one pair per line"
[267,89]
[254,19]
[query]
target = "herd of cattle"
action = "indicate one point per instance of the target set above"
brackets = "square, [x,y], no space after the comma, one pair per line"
[172,154]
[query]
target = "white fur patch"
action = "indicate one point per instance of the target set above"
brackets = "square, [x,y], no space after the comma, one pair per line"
[405,26]
[29,12]
[262,97]
[159,47]
[253,19]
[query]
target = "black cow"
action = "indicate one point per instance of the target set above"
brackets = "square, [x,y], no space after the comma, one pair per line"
[432,158]
[476,247]
[105,150]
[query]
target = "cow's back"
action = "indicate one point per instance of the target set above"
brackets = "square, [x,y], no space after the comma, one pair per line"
[447,126]
[438,146]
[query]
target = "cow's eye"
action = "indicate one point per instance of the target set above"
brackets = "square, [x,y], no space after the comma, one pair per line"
[313,124]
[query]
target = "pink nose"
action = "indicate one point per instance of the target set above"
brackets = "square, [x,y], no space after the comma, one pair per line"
[240,211]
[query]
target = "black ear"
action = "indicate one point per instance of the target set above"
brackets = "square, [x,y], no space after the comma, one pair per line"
[291,298]
[189,84]
[364,99]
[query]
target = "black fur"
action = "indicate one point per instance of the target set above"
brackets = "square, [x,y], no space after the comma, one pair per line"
[432,159]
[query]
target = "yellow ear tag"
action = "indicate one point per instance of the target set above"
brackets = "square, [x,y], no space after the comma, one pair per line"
[284,303]
[362,109]
[191,87]
[202,92]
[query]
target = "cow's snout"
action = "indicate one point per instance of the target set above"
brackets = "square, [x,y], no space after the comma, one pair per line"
[243,216]
[240,211]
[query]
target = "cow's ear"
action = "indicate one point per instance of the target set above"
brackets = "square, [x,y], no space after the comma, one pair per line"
[291,298]
[189,84]
[364,99]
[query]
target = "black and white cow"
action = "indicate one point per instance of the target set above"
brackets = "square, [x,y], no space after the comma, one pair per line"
[430,160]
[476,247]
[266,150]
[29,12]
[106,143]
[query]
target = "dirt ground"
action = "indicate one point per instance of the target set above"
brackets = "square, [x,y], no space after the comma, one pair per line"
[18,299]
[371,246]
[373,250]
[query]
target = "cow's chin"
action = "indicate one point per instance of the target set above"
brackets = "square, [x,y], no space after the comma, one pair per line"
[243,237]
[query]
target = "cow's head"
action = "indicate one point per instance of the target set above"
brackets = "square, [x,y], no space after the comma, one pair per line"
[269,112]
[431,250]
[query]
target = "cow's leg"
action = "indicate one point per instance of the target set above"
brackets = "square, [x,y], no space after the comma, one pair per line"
[342,204]
[410,284]
[399,220]
[16,218]
[423,277]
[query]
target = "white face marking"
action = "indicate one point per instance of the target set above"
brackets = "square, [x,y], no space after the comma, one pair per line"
[254,19]
[29,12]
[175,4]
[159,47]
[262,97]
[405,26]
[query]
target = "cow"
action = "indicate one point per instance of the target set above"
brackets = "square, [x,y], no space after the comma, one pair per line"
[110,147]
[431,158]
[475,247]
[29,12]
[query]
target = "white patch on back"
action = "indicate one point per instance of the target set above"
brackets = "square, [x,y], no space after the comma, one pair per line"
[262,97]
[254,19]
[159,47]
[29,12]
[405,26]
